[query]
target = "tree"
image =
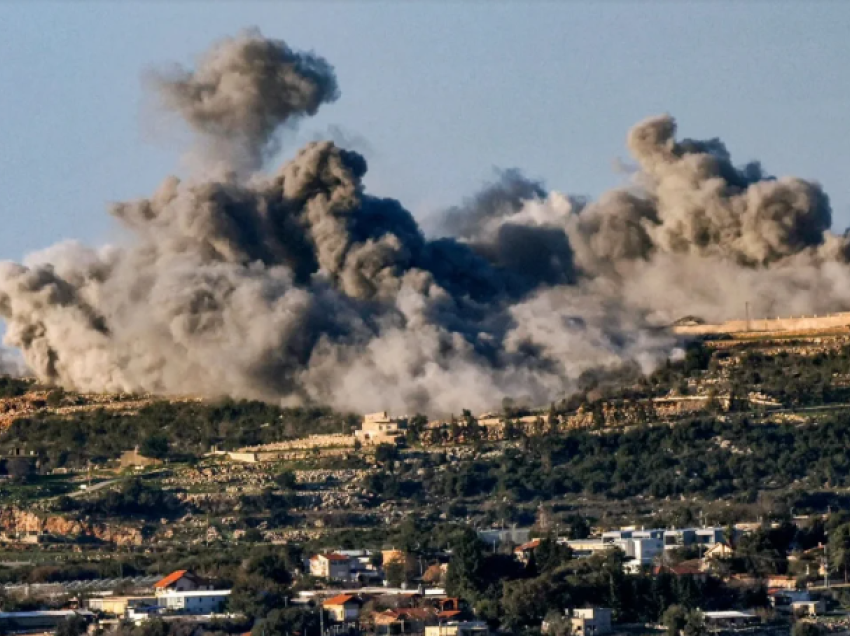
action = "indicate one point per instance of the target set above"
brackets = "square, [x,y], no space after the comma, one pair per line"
[674,619]
[395,572]
[261,585]
[155,446]
[385,453]
[550,554]
[463,578]
[695,624]
[558,624]
[73,626]
[415,426]
[287,621]
[19,467]
[525,602]
[805,628]
[286,480]
[839,548]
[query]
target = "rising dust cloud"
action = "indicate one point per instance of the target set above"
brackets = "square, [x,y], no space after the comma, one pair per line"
[300,286]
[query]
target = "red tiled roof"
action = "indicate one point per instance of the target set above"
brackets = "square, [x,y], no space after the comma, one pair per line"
[341,599]
[528,546]
[418,613]
[331,557]
[170,579]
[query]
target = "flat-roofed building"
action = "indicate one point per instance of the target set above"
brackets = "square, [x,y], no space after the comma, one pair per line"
[118,605]
[194,602]
[458,628]
[379,428]
[591,621]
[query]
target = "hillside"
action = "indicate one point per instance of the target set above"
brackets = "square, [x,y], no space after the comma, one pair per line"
[735,429]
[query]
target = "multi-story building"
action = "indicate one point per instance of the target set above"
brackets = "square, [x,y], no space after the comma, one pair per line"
[379,428]
[180,581]
[331,566]
[593,621]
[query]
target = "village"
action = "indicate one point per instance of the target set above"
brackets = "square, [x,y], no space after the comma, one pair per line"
[390,591]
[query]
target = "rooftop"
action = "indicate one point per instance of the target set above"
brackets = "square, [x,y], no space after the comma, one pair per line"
[342,599]
[171,579]
[332,557]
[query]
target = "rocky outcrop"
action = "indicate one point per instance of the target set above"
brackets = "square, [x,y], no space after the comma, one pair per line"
[14,521]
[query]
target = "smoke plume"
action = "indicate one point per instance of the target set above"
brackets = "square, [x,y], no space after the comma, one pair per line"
[300,286]
[242,92]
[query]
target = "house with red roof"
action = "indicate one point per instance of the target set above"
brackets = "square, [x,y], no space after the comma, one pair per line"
[180,581]
[685,568]
[343,607]
[331,566]
[411,620]
[523,552]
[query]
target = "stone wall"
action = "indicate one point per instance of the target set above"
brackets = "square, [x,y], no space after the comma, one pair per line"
[839,321]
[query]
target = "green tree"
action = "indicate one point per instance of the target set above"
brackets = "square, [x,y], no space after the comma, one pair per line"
[73,626]
[674,619]
[463,578]
[385,453]
[286,480]
[839,548]
[395,572]
[288,621]
[558,624]
[525,602]
[155,446]
[805,628]
[550,554]
[695,624]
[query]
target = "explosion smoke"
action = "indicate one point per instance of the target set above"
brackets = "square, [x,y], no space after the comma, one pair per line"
[301,286]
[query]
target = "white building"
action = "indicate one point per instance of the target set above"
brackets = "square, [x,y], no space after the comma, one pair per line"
[707,537]
[686,537]
[593,621]
[640,551]
[180,581]
[729,618]
[194,602]
[331,566]
[632,533]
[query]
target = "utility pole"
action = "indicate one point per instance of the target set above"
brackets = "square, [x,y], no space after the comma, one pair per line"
[747,313]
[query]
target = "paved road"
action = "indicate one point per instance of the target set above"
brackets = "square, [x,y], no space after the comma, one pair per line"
[94,487]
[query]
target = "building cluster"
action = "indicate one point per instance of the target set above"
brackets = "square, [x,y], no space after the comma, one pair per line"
[376,429]
[645,548]
[354,591]
[181,593]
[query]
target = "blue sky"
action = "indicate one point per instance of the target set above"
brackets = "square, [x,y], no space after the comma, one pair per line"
[436,94]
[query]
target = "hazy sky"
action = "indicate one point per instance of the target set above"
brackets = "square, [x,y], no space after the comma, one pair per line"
[436,95]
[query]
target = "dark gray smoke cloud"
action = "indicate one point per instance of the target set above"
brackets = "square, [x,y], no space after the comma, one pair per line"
[301,286]
[241,93]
